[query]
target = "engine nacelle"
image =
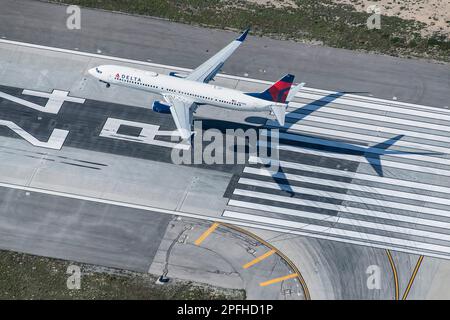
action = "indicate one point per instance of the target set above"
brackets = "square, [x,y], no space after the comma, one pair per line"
[160,107]
[176,75]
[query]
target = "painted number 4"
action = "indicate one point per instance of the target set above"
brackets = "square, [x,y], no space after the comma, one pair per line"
[53,105]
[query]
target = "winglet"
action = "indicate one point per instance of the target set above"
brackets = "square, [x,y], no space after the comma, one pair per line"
[243,35]
[294,91]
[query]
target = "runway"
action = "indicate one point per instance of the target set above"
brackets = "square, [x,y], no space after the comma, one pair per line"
[326,187]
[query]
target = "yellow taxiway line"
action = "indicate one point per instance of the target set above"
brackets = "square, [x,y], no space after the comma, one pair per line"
[289,276]
[206,233]
[413,276]
[394,271]
[258,259]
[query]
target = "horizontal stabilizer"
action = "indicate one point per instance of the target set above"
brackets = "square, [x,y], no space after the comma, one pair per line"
[280,113]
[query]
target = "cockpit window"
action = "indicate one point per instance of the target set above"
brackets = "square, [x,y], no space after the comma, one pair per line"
[98,70]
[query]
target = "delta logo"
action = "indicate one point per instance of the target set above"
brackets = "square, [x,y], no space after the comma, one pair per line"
[127,77]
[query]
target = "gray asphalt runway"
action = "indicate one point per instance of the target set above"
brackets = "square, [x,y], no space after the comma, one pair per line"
[175,44]
[80,231]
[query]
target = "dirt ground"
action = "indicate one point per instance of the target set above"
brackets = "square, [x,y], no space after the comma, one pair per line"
[434,13]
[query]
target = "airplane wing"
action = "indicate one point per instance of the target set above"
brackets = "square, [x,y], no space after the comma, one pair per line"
[182,111]
[206,71]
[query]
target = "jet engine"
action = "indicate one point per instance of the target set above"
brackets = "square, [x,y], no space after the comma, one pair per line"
[160,107]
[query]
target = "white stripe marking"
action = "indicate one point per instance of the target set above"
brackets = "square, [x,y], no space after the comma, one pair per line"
[390,241]
[351,210]
[396,104]
[346,185]
[384,163]
[376,128]
[426,168]
[336,220]
[375,106]
[381,118]
[353,175]
[346,197]
[367,138]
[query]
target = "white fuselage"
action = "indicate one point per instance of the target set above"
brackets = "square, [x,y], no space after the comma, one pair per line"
[201,93]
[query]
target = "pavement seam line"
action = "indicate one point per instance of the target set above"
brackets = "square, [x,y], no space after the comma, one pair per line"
[413,277]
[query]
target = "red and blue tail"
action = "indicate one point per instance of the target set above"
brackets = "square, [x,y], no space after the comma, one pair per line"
[278,92]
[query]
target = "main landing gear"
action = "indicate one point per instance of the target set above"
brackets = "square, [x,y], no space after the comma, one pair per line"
[106,83]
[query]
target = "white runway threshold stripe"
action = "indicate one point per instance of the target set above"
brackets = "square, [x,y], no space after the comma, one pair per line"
[351,210]
[363,126]
[345,197]
[372,105]
[370,139]
[346,185]
[337,221]
[293,116]
[364,238]
[427,166]
[354,175]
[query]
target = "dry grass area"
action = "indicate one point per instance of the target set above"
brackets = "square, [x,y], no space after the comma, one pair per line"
[434,13]
[24,276]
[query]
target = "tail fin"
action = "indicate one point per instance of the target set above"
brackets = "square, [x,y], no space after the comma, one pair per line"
[278,92]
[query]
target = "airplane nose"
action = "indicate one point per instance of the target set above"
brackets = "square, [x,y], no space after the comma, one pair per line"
[92,72]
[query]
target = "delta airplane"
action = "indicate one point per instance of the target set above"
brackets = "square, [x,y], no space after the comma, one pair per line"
[183,94]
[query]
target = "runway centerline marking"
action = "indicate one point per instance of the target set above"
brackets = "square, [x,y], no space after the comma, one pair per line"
[206,233]
[258,259]
[276,280]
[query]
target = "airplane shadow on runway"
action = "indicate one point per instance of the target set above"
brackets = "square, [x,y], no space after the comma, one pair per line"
[371,153]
